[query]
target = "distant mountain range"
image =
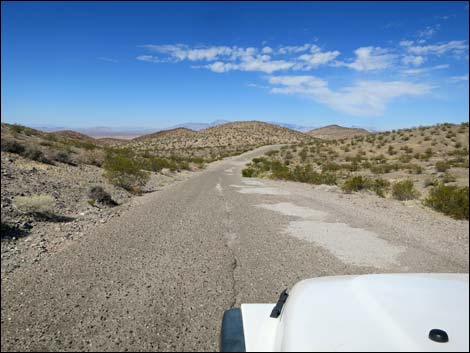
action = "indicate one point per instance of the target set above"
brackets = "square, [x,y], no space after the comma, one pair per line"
[132,132]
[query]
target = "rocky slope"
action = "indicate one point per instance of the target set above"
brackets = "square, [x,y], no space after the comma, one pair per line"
[219,141]
[334,132]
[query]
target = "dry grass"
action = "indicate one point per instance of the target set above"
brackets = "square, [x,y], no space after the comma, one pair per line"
[42,205]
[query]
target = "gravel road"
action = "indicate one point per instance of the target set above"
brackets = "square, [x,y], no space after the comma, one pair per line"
[159,276]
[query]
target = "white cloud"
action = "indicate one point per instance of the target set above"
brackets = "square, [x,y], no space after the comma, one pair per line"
[148,58]
[224,58]
[428,31]
[446,17]
[413,60]
[220,66]
[370,59]
[365,98]
[259,63]
[456,47]
[316,59]
[459,78]
[181,52]
[290,49]
[267,50]
[406,43]
[424,69]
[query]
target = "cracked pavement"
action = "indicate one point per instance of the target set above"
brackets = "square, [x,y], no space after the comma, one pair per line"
[160,276]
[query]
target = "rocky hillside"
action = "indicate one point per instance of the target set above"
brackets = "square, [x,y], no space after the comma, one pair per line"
[425,164]
[55,186]
[216,142]
[181,131]
[335,132]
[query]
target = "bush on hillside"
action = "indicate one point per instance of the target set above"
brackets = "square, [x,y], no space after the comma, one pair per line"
[12,146]
[355,183]
[404,190]
[98,194]
[442,166]
[450,200]
[38,205]
[124,171]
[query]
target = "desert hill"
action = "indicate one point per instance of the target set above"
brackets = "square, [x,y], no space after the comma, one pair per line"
[218,141]
[180,131]
[336,132]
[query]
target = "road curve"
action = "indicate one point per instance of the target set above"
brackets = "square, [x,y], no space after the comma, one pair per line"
[160,276]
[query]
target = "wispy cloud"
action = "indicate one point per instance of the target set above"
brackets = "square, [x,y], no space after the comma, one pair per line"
[364,98]
[370,59]
[428,31]
[413,60]
[445,17]
[461,78]
[316,57]
[392,25]
[424,69]
[258,63]
[289,49]
[225,58]
[455,47]
[148,58]
[109,60]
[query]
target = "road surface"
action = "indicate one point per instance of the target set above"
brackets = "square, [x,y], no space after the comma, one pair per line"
[160,276]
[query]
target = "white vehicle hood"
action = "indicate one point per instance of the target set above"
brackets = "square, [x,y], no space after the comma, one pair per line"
[393,312]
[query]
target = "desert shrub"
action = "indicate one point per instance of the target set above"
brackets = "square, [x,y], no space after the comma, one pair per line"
[303,154]
[12,146]
[35,155]
[63,157]
[155,164]
[431,182]
[404,190]
[17,129]
[279,171]
[306,174]
[272,153]
[450,200]
[405,158]
[355,183]
[98,194]
[384,168]
[39,205]
[442,166]
[51,137]
[124,171]
[46,143]
[429,153]
[331,167]
[379,186]
[448,178]
[412,168]
[248,172]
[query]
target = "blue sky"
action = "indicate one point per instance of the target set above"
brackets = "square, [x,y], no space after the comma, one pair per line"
[157,64]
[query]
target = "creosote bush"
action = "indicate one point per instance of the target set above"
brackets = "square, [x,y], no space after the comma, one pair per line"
[98,194]
[404,190]
[124,171]
[450,200]
[12,146]
[442,166]
[358,182]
